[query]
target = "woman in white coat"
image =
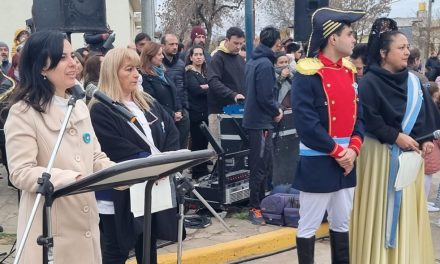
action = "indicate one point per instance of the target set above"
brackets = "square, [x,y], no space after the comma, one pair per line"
[38,107]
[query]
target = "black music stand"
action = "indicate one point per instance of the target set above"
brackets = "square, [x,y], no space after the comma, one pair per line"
[137,171]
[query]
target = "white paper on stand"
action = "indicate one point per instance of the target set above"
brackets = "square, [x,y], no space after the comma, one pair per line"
[409,166]
[161,196]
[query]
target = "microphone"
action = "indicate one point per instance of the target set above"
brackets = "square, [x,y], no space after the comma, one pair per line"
[78,91]
[430,136]
[116,107]
[77,94]
[108,43]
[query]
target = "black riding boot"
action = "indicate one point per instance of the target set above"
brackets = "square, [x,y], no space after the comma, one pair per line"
[306,249]
[339,247]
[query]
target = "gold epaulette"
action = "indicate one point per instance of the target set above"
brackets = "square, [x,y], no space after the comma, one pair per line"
[309,66]
[348,64]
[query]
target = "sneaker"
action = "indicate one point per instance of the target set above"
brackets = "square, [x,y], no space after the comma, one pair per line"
[430,203]
[433,209]
[256,217]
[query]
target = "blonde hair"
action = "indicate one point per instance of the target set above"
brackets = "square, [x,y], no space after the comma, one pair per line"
[109,81]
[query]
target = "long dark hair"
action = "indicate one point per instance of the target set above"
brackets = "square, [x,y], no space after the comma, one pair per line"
[381,37]
[35,90]
[189,55]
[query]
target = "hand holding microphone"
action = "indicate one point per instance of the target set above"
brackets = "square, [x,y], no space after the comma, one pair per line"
[93,91]
[427,145]
[407,143]
[430,136]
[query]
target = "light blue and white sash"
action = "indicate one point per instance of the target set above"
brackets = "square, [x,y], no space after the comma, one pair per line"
[394,198]
[306,151]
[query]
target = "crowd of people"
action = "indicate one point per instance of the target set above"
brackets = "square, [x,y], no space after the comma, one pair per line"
[356,108]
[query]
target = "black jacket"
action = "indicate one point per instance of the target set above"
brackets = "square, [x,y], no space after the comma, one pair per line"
[383,96]
[226,80]
[164,92]
[198,97]
[175,70]
[261,105]
[432,62]
[121,143]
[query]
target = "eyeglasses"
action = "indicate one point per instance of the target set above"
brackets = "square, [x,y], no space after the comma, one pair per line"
[155,118]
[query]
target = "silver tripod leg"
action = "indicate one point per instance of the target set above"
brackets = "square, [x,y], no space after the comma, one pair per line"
[28,228]
[184,187]
[213,212]
[180,233]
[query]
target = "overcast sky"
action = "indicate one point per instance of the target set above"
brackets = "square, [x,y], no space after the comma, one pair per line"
[408,8]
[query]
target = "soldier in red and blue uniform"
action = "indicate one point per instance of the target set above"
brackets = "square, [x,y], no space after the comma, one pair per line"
[328,119]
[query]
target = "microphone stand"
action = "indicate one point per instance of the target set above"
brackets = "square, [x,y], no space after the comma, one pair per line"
[45,187]
[147,206]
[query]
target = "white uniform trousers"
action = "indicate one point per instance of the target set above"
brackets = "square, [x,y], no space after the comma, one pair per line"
[313,206]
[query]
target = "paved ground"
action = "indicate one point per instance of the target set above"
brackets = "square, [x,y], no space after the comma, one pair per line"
[212,235]
[322,247]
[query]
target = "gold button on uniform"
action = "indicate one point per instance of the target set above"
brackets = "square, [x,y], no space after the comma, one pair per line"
[328,85]
[334,118]
[77,158]
[72,132]
[86,209]
[88,234]
[333,101]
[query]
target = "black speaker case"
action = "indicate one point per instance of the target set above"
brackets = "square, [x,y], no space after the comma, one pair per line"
[70,15]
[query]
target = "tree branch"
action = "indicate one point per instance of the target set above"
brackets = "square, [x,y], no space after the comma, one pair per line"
[220,8]
[200,13]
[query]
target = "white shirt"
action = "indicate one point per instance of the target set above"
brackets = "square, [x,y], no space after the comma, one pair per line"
[107,207]
[140,116]
[61,102]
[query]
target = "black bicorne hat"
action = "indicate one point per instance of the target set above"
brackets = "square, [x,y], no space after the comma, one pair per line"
[325,21]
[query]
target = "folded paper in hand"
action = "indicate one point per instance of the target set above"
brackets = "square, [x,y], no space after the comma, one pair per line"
[409,166]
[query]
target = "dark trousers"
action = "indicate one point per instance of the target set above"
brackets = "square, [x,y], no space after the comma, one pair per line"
[260,163]
[198,140]
[183,127]
[111,252]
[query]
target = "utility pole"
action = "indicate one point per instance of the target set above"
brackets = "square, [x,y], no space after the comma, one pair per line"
[428,26]
[148,17]
[249,25]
